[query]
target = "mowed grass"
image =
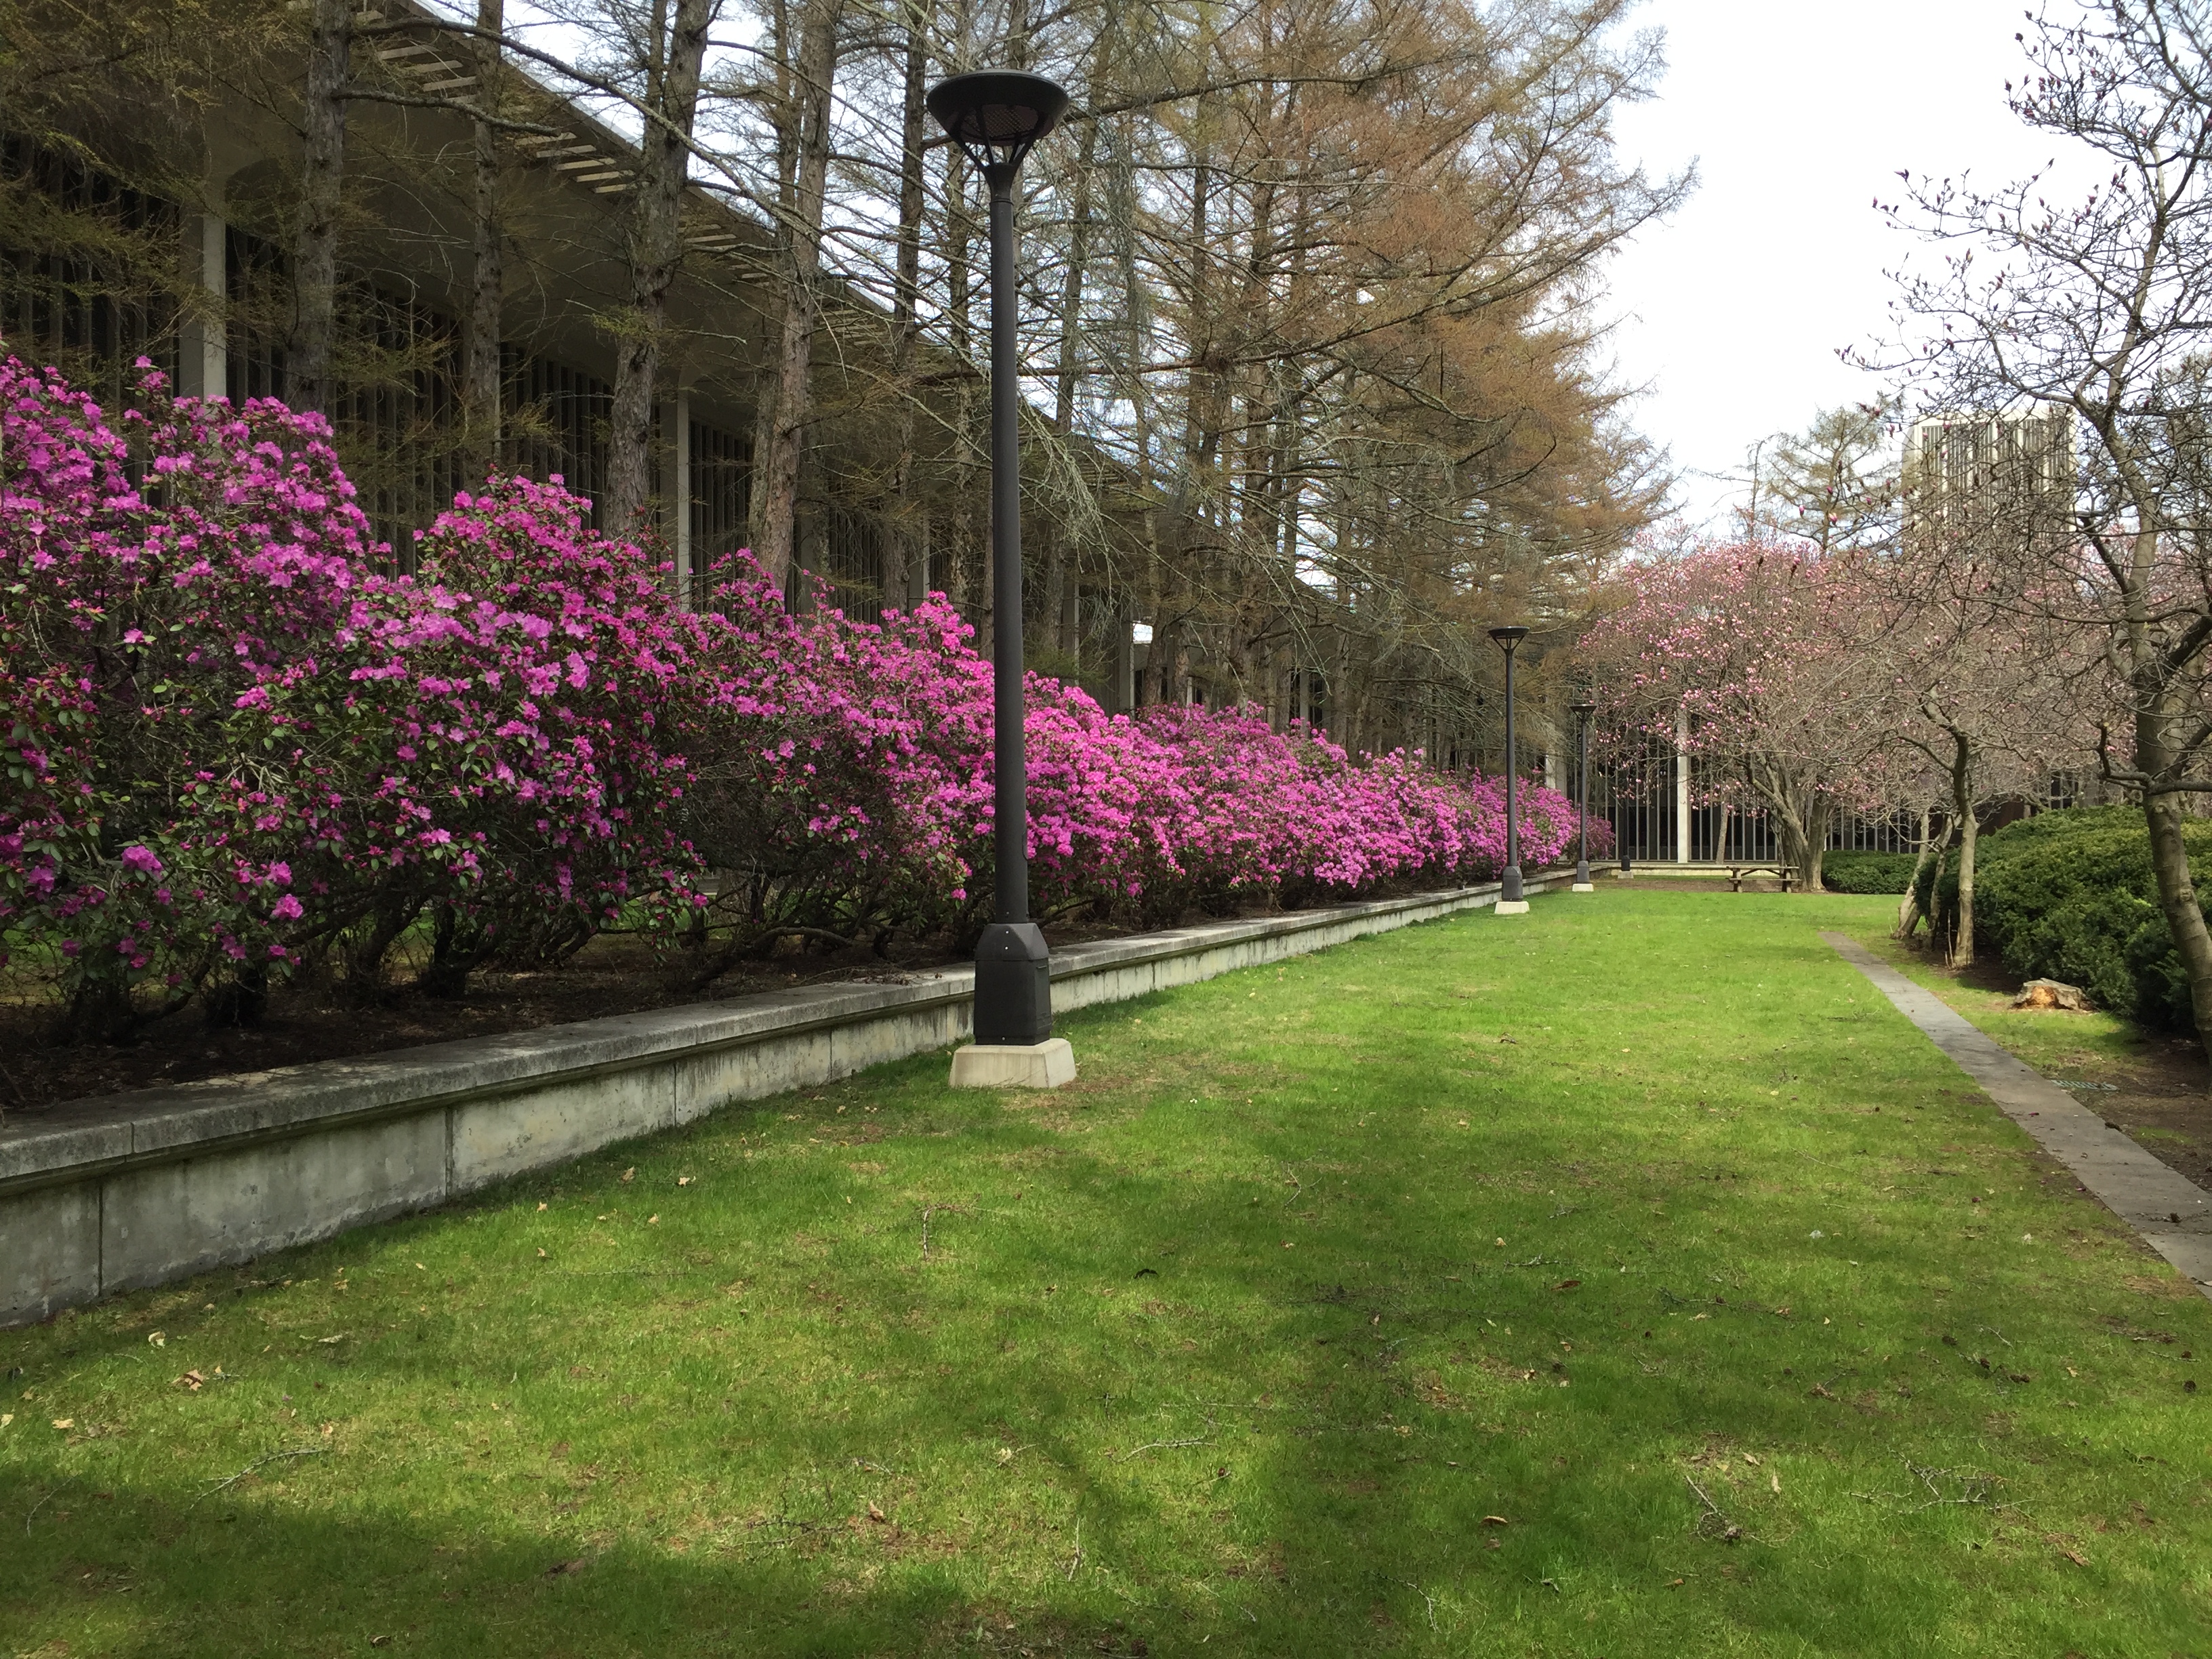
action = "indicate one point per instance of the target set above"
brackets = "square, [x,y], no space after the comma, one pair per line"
[1625,1278]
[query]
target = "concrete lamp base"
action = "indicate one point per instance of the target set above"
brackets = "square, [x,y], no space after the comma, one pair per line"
[1584,887]
[1512,906]
[1047,1065]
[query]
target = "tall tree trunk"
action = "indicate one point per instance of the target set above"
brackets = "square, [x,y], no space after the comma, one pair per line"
[315,244]
[787,409]
[656,250]
[480,379]
[1062,605]
[959,279]
[903,547]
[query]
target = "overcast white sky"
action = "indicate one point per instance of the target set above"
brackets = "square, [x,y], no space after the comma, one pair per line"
[1798,112]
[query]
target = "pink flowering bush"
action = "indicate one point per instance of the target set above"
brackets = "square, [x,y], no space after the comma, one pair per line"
[241,749]
[842,789]
[238,747]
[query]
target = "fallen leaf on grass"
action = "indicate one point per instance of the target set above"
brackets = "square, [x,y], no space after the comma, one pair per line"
[379,1641]
[541,1252]
[64,1422]
[652,1220]
[6,1418]
[683,1181]
[1566,1285]
[1821,1389]
[541,1206]
[561,1569]
[629,1174]
[192,1380]
[875,1514]
[1495,1521]
[157,1339]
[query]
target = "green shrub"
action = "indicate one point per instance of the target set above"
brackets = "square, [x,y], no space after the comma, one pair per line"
[2069,895]
[1867,872]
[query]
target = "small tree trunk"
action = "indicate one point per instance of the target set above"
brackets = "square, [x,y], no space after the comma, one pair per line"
[1962,807]
[315,245]
[1816,844]
[1908,907]
[656,250]
[2176,897]
[787,411]
[480,379]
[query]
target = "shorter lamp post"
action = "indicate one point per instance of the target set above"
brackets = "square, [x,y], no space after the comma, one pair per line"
[1510,902]
[995,116]
[1583,883]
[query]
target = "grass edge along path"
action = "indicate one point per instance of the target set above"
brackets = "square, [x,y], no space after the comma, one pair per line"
[2159,1204]
[1625,1278]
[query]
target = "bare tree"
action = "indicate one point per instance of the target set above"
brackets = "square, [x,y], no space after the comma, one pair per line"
[322,184]
[803,130]
[674,50]
[2097,313]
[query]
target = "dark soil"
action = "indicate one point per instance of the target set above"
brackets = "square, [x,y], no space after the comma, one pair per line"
[2161,1086]
[615,974]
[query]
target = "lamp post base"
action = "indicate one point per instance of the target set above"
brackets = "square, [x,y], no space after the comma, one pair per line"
[1014,985]
[1512,907]
[1583,883]
[1047,1065]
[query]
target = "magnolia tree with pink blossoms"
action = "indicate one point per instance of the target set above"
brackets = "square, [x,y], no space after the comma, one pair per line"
[1773,655]
[241,750]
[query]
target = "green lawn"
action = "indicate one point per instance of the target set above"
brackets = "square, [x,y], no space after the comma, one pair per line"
[1625,1278]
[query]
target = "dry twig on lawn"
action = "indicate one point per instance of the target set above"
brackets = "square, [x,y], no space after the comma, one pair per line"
[273,1457]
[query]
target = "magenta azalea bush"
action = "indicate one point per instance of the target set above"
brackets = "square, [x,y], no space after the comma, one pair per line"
[240,748]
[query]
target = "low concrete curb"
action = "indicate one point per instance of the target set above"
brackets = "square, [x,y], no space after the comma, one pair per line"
[136,1189]
[2167,1208]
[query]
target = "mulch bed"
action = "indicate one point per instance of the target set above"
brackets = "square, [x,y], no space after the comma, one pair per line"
[615,974]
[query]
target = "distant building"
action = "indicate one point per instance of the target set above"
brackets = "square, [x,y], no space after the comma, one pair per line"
[2002,482]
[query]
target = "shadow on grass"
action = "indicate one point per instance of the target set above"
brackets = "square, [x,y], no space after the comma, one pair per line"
[1216,1351]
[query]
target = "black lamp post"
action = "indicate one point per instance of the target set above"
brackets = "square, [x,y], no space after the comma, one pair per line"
[1583,885]
[995,116]
[1510,899]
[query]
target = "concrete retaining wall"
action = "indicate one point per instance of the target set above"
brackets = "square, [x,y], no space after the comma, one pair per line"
[136,1189]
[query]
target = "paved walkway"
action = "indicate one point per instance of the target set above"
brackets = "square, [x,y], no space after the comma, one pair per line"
[2170,1210]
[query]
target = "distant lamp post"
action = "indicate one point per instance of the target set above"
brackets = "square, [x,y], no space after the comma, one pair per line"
[1583,883]
[1510,903]
[996,116]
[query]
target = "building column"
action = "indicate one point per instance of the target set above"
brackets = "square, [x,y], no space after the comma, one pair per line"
[203,344]
[1682,786]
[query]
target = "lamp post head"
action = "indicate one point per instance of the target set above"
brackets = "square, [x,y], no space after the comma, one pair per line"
[997,115]
[1507,638]
[1582,711]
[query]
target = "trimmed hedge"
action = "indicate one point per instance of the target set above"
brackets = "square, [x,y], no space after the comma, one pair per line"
[1867,872]
[2069,895]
